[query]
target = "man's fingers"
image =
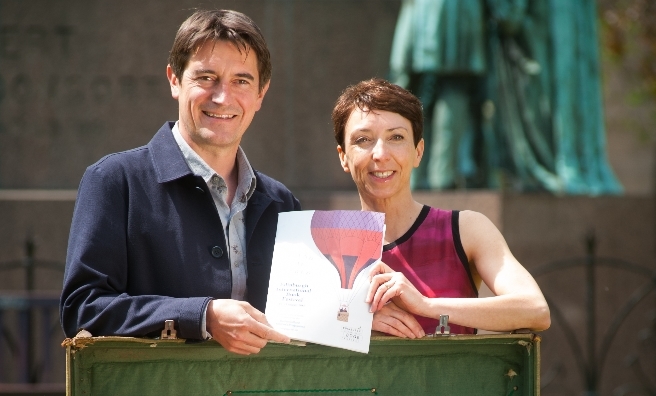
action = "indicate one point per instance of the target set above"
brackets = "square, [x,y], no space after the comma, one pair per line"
[256,314]
[239,327]
[274,335]
[242,349]
[242,342]
[268,333]
[263,329]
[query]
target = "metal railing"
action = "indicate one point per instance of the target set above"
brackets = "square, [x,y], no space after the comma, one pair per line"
[589,359]
[28,307]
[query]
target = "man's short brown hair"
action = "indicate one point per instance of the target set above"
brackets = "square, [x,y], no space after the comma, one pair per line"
[377,94]
[213,25]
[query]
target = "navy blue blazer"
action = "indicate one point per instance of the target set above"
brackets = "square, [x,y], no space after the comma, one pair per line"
[146,244]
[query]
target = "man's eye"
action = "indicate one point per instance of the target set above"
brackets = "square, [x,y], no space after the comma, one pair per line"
[204,78]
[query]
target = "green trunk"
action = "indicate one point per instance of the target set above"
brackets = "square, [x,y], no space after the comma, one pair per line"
[447,365]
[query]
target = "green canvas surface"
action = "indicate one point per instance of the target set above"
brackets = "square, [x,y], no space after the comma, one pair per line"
[450,365]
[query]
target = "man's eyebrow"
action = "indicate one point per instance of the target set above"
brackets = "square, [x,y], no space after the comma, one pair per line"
[203,71]
[247,76]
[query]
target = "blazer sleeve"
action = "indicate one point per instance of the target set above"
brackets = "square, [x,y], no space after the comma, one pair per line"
[94,295]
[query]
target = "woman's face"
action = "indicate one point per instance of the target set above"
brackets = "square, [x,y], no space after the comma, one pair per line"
[379,153]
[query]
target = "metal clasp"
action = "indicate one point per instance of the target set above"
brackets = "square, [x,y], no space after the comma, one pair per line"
[443,328]
[169,332]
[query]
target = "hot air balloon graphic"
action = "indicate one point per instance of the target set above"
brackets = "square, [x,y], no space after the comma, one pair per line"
[351,240]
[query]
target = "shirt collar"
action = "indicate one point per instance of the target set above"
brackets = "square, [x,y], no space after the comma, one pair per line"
[245,177]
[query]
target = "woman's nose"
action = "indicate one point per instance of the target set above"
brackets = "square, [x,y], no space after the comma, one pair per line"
[380,150]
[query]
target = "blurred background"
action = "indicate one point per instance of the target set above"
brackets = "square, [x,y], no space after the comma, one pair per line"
[80,79]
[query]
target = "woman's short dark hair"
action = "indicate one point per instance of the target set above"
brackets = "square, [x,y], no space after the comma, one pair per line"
[213,25]
[378,94]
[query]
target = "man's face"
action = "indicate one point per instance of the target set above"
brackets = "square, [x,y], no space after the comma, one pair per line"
[218,95]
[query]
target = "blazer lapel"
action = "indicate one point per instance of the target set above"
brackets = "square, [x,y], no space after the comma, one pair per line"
[258,202]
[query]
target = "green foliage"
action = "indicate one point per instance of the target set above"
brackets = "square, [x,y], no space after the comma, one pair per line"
[629,38]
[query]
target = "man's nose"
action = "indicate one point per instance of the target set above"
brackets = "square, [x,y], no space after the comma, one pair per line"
[221,93]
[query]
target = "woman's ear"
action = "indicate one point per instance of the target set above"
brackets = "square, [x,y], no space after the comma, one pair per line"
[420,152]
[342,159]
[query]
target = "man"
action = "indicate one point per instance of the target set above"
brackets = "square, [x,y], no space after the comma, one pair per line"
[183,228]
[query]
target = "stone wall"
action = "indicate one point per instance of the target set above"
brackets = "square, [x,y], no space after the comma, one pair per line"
[80,79]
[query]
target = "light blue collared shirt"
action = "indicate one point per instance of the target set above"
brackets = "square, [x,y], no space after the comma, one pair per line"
[232,216]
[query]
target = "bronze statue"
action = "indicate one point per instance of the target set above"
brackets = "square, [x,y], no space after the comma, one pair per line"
[511,94]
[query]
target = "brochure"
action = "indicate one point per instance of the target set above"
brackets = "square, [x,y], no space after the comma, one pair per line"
[320,276]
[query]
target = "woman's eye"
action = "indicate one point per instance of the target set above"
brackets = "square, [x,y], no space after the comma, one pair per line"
[360,140]
[397,137]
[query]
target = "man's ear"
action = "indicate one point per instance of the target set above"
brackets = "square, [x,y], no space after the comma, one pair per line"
[174,82]
[342,159]
[420,153]
[260,95]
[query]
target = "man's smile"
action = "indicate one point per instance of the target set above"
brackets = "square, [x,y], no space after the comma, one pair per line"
[220,116]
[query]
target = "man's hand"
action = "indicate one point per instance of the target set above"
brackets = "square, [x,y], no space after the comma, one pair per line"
[393,320]
[239,327]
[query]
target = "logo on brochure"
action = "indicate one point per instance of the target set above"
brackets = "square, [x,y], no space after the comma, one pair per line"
[352,334]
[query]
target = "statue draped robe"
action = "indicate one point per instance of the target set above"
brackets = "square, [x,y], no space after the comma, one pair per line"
[511,93]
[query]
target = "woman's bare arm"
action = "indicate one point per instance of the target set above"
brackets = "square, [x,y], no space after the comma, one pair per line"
[518,302]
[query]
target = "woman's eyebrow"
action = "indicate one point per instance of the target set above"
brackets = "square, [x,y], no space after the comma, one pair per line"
[398,127]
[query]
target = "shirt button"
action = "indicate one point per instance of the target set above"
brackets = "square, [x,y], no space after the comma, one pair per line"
[217,252]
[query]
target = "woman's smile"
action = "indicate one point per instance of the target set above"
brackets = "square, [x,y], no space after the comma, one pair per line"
[379,153]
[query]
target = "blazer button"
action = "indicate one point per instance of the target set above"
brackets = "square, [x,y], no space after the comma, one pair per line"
[217,252]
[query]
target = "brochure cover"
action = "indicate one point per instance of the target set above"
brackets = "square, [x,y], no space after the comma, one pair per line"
[319,276]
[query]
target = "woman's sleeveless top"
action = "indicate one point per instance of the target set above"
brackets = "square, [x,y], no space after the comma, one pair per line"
[431,256]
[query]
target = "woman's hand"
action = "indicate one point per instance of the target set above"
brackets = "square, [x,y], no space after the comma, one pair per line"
[386,285]
[393,320]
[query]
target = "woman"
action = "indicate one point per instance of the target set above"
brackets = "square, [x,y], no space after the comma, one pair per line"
[433,260]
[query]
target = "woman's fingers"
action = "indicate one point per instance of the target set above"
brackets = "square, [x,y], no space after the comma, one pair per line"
[407,319]
[376,281]
[395,321]
[379,268]
[386,290]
